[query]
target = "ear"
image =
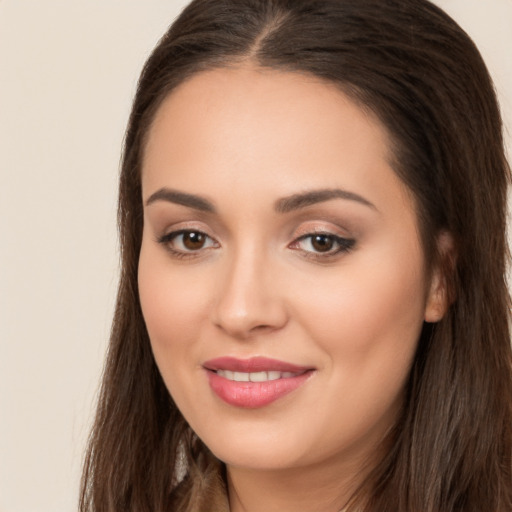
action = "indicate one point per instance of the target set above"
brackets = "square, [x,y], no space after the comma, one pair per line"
[441,293]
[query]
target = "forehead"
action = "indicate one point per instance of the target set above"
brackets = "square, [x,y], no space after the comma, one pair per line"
[268,130]
[255,101]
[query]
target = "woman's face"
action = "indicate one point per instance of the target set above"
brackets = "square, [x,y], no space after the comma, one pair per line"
[281,275]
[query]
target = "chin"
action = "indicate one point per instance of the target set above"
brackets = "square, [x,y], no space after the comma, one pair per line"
[259,451]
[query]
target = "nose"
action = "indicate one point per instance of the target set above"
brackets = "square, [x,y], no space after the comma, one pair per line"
[249,299]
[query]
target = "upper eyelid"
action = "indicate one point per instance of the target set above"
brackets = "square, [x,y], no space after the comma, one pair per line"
[345,245]
[337,238]
[321,230]
[303,230]
[296,236]
[181,231]
[186,226]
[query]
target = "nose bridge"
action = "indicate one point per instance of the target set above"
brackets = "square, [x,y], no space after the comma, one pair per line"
[248,299]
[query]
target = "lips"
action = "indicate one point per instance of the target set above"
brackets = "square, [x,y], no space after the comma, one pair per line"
[254,364]
[255,382]
[255,376]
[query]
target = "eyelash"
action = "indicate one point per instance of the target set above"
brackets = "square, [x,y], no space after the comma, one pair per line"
[344,245]
[168,238]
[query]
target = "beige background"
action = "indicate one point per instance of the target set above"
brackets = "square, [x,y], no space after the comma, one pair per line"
[68,70]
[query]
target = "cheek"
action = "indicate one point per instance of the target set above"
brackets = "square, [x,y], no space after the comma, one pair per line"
[171,295]
[379,295]
[173,307]
[368,321]
[166,310]
[355,315]
[367,326]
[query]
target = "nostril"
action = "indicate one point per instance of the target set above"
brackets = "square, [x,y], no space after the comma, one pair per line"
[244,332]
[263,328]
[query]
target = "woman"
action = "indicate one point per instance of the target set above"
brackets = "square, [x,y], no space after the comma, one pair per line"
[313,313]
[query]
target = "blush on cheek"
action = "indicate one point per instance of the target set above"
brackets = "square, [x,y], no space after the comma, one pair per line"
[160,293]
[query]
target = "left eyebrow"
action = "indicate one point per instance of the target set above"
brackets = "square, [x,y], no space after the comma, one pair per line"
[308,198]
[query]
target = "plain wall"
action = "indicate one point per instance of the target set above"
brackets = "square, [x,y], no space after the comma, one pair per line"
[68,70]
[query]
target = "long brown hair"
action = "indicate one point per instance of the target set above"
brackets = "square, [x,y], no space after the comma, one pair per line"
[415,68]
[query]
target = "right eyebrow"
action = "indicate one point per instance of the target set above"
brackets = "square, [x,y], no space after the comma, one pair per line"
[308,198]
[181,198]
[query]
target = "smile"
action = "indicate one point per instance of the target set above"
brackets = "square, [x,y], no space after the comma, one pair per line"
[255,376]
[256,382]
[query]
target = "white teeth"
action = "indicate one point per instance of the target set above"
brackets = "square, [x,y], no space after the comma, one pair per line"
[241,377]
[258,377]
[255,376]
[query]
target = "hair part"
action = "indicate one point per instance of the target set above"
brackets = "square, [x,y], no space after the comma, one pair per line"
[409,64]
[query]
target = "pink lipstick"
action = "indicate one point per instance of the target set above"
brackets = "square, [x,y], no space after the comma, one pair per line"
[255,382]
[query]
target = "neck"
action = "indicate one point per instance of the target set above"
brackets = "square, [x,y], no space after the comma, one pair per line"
[325,488]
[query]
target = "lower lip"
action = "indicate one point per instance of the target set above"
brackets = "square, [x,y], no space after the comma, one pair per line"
[251,395]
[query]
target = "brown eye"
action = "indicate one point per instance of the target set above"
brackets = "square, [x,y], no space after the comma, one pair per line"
[194,240]
[322,243]
[187,241]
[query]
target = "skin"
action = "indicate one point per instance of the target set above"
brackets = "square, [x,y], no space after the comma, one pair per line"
[243,138]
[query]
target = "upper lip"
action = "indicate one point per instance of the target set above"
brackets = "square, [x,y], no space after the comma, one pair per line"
[253,364]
